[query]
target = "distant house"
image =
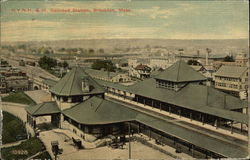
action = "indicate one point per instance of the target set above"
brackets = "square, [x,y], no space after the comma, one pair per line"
[160,63]
[140,71]
[232,79]
[109,76]
[3,84]
[241,60]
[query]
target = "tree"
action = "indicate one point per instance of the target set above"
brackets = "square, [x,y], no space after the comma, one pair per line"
[228,59]
[101,50]
[65,64]
[47,63]
[193,62]
[91,50]
[105,64]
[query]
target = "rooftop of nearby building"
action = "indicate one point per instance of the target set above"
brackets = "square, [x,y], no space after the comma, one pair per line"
[142,67]
[231,71]
[180,72]
[71,84]
[42,109]
[96,111]
[50,82]
[99,111]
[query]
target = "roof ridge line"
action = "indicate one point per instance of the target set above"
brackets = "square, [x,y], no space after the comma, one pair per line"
[41,104]
[178,71]
[64,84]
[72,81]
[99,105]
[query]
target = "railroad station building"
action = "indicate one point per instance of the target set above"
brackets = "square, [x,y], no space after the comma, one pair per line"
[87,107]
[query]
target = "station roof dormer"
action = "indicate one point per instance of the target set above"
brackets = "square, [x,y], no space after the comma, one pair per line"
[71,84]
[180,72]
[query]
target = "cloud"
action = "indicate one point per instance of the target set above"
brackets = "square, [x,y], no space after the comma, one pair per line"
[46,30]
[159,12]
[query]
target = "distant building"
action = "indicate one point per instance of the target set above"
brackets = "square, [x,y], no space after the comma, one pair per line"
[140,71]
[109,76]
[14,80]
[3,85]
[160,63]
[232,79]
[132,62]
[241,60]
[120,63]
[81,106]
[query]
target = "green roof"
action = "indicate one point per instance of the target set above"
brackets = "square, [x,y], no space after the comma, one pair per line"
[195,97]
[71,84]
[42,109]
[216,145]
[50,82]
[231,71]
[180,72]
[99,111]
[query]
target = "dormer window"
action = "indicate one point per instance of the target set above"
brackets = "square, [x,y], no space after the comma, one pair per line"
[85,85]
[168,85]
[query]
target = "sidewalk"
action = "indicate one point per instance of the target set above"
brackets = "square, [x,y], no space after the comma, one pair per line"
[12,144]
[170,150]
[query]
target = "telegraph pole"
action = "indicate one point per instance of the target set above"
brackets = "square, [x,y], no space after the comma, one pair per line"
[1,123]
[248,121]
[129,142]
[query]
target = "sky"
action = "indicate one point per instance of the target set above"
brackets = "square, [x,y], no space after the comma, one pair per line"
[158,19]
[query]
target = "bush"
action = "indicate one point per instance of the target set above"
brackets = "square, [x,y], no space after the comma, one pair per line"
[24,150]
[13,128]
[19,97]
[104,64]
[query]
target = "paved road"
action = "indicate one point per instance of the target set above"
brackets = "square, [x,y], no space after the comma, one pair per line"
[12,144]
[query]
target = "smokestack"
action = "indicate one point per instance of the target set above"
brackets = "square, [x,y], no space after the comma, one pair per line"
[207,55]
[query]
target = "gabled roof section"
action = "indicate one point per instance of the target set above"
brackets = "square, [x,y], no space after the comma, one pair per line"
[43,109]
[71,84]
[194,97]
[180,72]
[99,111]
[231,71]
[50,82]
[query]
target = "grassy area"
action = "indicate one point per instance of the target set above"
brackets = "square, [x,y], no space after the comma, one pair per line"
[25,150]
[43,156]
[13,128]
[19,97]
